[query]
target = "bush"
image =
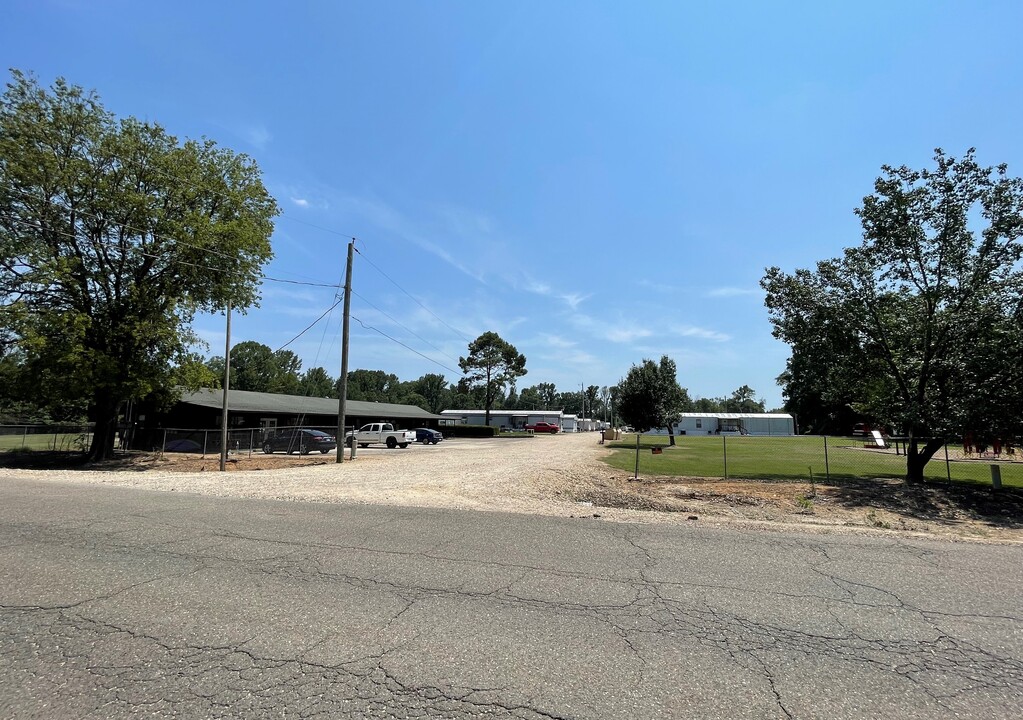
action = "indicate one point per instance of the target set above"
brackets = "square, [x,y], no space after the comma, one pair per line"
[470,431]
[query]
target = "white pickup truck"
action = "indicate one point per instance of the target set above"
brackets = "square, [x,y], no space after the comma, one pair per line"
[376,433]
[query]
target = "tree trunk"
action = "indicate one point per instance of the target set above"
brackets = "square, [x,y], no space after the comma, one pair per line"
[671,436]
[105,431]
[917,458]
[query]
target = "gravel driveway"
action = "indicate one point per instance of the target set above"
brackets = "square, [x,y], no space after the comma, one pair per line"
[532,475]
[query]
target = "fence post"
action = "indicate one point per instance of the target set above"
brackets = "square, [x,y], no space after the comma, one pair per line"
[163,448]
[948,468]
[205,438]
[827,465]
[724,450]
[252,436]
[24,438]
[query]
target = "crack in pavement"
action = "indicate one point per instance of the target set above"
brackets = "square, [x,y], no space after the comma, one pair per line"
[192,680]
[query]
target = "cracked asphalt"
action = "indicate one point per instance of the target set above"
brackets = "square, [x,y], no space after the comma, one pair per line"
[118,603]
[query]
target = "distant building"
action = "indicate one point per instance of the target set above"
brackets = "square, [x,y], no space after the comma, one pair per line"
[732,424]
[504,419]
[265,412]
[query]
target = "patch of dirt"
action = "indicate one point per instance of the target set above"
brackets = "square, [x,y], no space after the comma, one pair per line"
[881,504]
[171,462]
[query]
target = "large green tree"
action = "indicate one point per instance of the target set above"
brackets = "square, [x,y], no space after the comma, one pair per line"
[650,397]
[591,400]
[744,400]
[529,399]
[257,368]
[918,327]
[316,382]
[113,234]
[434,390]
[548,393]
[374,386]
[491,364]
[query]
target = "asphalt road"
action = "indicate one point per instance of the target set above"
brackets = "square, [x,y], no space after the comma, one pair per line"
[118,603]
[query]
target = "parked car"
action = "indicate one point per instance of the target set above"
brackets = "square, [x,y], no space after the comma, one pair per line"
[300,440]
[376,433]
[543,427]
[427,436]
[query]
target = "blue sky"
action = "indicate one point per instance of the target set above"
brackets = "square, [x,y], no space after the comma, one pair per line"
[598,182]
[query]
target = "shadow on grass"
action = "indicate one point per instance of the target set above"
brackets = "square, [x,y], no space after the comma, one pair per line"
[70,460]
[931,501]
[644,444]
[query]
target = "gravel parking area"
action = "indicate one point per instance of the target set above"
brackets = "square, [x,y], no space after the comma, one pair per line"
[532,475]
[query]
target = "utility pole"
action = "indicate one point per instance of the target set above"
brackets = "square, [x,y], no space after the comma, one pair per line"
[343,384]
[227,387]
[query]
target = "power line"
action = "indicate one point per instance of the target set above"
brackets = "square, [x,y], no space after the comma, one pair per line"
[416,301]
[399,324]
[310,326]
[226,194]
[143,253]
[399,342]
[266,277]
[291,218]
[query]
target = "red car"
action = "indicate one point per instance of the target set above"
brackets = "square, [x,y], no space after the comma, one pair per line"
[542,427]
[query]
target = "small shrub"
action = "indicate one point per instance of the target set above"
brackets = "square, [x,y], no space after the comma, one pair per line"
[469,431]
[874,521]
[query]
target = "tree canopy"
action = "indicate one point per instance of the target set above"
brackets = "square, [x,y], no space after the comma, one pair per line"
[316,382]
[257,368]
[650,396]
[491,364]
[113,234]
[920,327]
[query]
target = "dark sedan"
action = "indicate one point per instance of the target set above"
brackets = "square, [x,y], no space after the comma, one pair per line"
[427,436]
[299,440]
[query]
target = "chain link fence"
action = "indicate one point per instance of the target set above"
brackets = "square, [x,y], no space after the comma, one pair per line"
[50,438]
[828,459]
[246,441]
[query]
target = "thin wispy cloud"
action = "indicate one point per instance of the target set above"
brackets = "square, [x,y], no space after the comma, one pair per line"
[301,202]
[556,341]
[538,288]
[692,331]
[626,334]
[572,299]
[464,222]
[722,292]
[257,135]
[657,287]
[388,218]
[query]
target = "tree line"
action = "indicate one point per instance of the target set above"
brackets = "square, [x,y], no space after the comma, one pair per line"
[257,368]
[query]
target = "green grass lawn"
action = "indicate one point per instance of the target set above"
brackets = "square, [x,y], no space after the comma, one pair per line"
[789,459]
[43,441]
